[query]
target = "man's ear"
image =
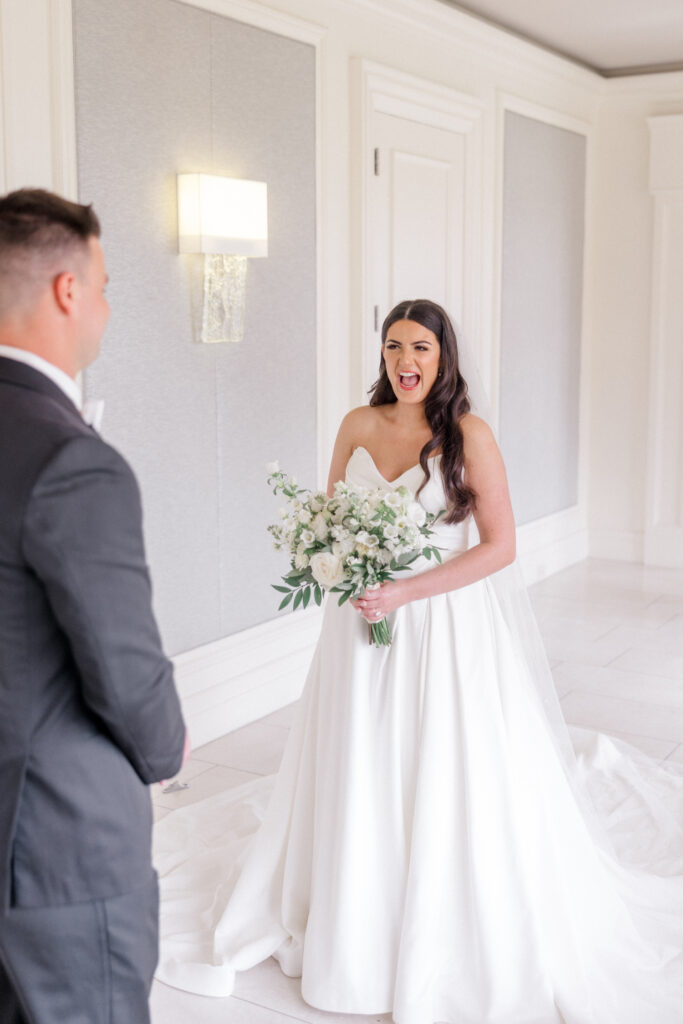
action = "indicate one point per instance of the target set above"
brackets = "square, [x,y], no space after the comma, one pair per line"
[64,289]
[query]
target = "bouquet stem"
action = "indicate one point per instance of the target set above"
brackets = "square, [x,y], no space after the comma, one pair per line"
[379,633]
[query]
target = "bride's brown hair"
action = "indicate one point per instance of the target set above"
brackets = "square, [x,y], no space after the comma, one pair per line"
[445,404]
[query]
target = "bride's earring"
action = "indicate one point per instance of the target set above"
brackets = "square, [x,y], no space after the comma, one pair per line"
[440,373]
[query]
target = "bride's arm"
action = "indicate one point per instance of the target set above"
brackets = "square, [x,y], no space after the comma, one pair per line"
[485,473]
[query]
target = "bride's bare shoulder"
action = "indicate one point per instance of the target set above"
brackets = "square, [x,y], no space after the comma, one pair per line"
[360,422]
[474,427]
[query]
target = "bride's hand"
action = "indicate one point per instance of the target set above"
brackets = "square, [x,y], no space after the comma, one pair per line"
[376,603]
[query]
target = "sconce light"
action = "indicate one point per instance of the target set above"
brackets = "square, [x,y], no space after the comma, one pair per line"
[227,220]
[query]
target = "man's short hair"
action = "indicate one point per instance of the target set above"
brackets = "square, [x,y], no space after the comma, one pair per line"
[40,234]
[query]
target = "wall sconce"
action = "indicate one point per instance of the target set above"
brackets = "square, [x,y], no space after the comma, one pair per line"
[227,220]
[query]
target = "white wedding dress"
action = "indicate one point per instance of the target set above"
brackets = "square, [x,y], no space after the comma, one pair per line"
[423,851]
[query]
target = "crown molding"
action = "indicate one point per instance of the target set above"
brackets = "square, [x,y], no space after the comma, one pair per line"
[436,19]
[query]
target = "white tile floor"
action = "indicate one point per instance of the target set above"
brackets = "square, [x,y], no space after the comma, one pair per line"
[614,634]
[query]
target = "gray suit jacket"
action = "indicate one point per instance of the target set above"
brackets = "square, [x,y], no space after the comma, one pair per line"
[89,715]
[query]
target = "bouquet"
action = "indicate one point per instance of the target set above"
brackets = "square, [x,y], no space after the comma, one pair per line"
[346,544]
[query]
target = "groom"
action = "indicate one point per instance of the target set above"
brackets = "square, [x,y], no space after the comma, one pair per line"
[89,715]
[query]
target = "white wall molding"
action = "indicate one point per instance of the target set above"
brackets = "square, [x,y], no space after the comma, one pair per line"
[664,83]
[63,106]
[260,16]
[514,103]
[25,62]
[225,684]
[496,46]
[664,505]
[552,543]
[558,540]
[618,545]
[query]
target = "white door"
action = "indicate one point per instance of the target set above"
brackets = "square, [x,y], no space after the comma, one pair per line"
[416,220]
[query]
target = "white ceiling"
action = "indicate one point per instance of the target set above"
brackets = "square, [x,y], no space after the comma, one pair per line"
[610,36]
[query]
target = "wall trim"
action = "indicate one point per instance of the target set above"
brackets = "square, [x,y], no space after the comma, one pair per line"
[561,528]
[506,101]
[260,16]
[552,543]
[618,545]
[230,682]
[661,84]
[63,99]
[489,41]
[664,490]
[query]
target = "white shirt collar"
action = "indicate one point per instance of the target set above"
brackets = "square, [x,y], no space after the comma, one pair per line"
[67,384]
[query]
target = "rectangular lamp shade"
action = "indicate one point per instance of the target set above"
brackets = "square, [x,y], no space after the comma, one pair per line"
[222,215]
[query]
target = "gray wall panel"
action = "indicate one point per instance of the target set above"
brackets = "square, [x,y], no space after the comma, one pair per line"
[543,229]
[161,88]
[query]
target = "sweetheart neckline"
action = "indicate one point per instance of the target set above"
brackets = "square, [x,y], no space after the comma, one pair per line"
[396,478]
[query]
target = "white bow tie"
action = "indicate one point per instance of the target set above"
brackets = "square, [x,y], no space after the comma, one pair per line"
[92,412]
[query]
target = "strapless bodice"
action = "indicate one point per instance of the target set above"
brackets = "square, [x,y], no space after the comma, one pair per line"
[361,471]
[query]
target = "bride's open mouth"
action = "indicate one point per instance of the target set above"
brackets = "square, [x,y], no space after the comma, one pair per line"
[408,381]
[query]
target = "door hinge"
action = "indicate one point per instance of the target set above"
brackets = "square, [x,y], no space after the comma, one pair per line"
[376,159]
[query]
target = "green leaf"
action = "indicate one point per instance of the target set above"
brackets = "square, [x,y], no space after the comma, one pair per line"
[437,555]
[317,593]
[344,598]
[427,552]
[298,599]
[408,558]
[285,601]
[307,596]
[283,590]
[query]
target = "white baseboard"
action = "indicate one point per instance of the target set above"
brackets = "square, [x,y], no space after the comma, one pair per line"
[664,546]
[618,545]
[551,544]
[233,681]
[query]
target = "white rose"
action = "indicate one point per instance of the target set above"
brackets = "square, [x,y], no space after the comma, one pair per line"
[319,527]
[327,569]
[272,467]
[416,513]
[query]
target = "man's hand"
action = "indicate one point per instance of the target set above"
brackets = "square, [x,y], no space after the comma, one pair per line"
[187,751]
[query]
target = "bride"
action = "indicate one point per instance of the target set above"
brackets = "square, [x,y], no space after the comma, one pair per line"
[437,843]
